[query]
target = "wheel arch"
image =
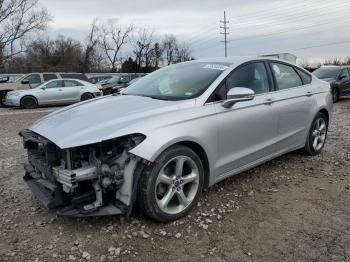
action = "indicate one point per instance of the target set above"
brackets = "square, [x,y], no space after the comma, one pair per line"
[326,113]
[31,96]
[199,150]
[86,93]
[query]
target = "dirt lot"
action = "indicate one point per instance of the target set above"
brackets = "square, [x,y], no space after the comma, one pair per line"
[295,208]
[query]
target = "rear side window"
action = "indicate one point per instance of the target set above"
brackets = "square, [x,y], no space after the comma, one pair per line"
[304,76]
[54,84]
[75,76]
[48,77]
[285,76]
[71,83]
[33,79]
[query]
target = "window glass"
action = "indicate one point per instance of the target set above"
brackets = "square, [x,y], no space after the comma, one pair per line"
[33,79]
[253,76]
[304,76]
[286,76]
[54,84]
[71,83]
[75,76]
[178,82]
[344,73]
[48,77]
[220,93]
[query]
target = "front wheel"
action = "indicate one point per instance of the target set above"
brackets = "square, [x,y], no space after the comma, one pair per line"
[29,102]
[171,187]
[86,96]
[335,94]
[317,135]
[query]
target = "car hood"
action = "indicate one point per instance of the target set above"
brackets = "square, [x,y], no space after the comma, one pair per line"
[104,118]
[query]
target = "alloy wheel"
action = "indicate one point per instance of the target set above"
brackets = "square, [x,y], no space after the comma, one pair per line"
[319,134]
[177,184]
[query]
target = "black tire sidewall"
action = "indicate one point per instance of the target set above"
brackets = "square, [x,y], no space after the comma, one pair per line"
[335,98]
[149,183]
[86,96]
[25,105]
[309,148]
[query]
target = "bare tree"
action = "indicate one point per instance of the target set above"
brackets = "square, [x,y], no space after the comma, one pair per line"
[18,19]
[182,53]
[169,46]
[143,47]
[90,54]
[112,38]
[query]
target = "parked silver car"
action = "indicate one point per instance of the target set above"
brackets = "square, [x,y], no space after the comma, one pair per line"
[53,92]
[174,133]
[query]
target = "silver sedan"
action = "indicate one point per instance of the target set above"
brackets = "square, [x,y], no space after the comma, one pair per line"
[174,133]
[53,92]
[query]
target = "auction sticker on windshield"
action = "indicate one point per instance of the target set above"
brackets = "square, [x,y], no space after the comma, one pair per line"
[215,67]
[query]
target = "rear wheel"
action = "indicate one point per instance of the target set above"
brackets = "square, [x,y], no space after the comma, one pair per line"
[335,94]
[171,187]
[29,102]
[2,96]
[317,135]
[86,96]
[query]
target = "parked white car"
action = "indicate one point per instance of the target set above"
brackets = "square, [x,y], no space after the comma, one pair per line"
[53,92]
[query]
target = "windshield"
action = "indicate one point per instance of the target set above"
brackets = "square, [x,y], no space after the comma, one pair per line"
[327,72]
[177,82]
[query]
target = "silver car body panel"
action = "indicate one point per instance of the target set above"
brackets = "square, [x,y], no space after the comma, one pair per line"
[233,139]
[53,96]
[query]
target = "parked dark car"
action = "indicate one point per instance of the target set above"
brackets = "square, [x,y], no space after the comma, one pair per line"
[338,77]
[114,84]
[98,79]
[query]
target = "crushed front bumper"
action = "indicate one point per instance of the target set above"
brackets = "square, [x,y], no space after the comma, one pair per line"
[51,196]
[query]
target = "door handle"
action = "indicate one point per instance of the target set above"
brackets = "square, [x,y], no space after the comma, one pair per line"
[269,101]
[60,89]
[308,93]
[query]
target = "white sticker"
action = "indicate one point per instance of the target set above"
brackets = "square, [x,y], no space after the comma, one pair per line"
[215,67]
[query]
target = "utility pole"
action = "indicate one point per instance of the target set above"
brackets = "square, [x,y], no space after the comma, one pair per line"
[225,33]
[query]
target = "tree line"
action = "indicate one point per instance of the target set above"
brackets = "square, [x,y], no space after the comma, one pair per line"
[108,46]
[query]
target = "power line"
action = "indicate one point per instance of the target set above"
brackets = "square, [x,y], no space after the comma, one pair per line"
[225,33]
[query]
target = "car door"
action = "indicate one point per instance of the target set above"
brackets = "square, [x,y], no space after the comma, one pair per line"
[344,82]
[51,92]
[293,101]
[246,131]
[72,90]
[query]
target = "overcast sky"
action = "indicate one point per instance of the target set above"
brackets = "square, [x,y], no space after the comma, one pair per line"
[307,28]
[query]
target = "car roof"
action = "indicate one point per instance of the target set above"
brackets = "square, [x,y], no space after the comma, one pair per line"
[75,79]
[238,59]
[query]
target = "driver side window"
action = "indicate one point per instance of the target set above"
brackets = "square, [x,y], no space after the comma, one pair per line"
[252,75]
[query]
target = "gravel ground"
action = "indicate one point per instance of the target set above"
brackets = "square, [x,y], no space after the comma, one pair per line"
[294,208]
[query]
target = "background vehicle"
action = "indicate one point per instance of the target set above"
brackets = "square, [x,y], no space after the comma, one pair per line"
[98,79]
[53,92]
[113,84]
[174,133]
[338,77]
[9,78]
[34,79]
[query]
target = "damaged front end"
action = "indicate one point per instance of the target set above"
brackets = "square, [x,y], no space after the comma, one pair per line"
[90,180]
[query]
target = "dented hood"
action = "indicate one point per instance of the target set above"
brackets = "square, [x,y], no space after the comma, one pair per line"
[104,118]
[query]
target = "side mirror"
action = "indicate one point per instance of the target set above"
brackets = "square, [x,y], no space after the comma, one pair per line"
[341,77]
[25,82]
[43,88]
[238,94]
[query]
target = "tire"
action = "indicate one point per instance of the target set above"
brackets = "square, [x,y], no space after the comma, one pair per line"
[335,94]
[86,96]
[2,96]
[173,195]
[318,132]
[29,102]
[108,91]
